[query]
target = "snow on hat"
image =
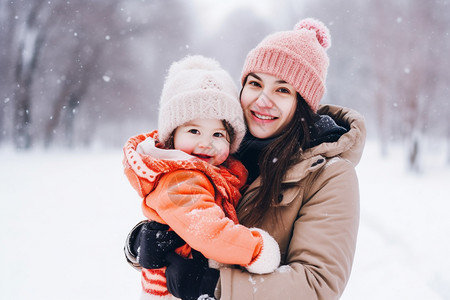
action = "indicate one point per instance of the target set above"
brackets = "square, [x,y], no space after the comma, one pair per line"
[298,57]
[196,87]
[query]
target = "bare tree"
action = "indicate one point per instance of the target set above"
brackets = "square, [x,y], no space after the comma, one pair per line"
[102,54]
[420,46]
[7,29]
[79,74]
[398,56]
[31,39]
[381,62]
[70,68]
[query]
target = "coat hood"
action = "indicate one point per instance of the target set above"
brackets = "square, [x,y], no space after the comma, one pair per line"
[351,144]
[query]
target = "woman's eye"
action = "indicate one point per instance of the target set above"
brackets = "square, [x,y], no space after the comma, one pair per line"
[194,131]
[284,90]
[254,83]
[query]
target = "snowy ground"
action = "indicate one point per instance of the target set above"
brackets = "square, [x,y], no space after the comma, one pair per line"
[64,217]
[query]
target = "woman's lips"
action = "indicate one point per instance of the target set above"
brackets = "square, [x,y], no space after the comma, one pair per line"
[262,117]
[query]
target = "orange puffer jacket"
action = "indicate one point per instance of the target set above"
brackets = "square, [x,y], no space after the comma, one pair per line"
[197,200]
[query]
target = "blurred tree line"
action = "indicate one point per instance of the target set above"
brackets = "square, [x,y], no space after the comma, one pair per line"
[78,73]
[390,61]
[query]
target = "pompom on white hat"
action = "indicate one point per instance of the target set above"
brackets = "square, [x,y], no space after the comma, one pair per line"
[196,87]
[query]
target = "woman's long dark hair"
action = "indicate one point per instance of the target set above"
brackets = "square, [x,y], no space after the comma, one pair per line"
[276,159]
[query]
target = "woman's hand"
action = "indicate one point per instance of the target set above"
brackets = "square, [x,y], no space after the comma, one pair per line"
[148,243]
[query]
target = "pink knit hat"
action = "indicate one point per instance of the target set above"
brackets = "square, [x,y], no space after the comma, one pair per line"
[298,57]
[196,87]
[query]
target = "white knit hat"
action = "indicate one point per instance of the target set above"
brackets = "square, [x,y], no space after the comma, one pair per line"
[196,87]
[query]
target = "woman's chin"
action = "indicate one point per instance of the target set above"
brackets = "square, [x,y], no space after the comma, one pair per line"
[262,132]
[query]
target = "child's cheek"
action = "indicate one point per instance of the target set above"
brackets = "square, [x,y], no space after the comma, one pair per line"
[223,155]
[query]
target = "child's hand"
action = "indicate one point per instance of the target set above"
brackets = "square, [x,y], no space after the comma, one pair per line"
[269,256]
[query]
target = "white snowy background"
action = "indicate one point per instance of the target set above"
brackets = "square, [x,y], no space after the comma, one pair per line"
[64,216]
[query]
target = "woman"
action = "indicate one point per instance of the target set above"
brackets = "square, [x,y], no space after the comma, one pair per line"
[301,158]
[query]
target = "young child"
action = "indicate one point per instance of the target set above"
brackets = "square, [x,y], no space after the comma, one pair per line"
[186,177]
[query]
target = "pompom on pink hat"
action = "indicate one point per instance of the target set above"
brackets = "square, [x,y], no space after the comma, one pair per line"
[196,87]
[298,57]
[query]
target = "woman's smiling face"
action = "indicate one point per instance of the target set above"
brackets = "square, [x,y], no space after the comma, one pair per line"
[269,104]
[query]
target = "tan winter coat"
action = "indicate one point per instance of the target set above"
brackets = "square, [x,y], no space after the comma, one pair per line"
[320,217]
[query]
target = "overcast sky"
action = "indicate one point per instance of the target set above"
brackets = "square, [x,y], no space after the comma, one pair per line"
[214,11]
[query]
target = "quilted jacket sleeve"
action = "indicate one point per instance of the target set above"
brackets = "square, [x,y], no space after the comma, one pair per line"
[185,201]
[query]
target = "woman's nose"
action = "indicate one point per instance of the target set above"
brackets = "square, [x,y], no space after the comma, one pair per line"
[264,101]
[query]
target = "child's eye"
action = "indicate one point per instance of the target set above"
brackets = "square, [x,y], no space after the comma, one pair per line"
[194,131]
[218,134]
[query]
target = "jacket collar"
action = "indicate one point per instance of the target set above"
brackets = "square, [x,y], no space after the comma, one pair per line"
[349,146]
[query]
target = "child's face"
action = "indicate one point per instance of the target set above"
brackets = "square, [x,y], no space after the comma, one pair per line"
[206,139]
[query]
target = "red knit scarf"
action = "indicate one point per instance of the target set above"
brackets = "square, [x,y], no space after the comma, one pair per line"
[227,178]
